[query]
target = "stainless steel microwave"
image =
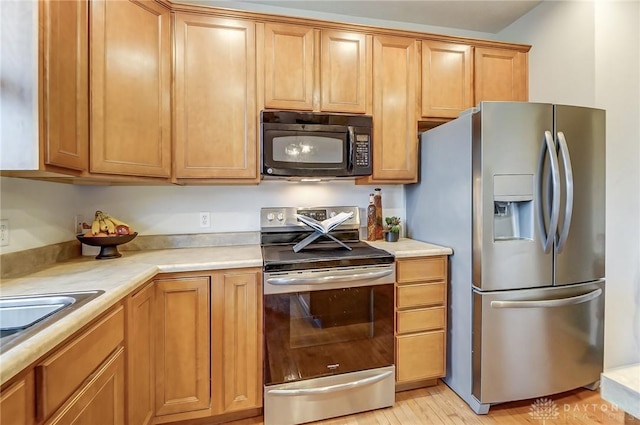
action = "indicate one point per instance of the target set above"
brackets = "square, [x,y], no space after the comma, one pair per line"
[310,144]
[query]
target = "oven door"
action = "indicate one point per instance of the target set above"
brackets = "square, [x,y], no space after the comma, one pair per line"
[327,322]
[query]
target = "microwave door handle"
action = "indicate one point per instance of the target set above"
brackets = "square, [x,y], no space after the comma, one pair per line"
[351,143]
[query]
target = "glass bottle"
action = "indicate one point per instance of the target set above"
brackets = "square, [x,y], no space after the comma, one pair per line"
[371,219]
[377,201]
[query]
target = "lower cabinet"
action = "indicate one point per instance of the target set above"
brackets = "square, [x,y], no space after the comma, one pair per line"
[421,292]
[203,333]
[236,341]
[182,350]
[140,345]
[17,402]
[101,399]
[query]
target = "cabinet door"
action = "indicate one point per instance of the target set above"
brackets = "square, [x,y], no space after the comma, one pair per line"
[345,71]
[447,84]
[64,83]
[140,355]
[215,98]
[395,130]
[101,400]
[236,341]
[182,345]
[288,67]
[130,78]
[500,74]
[17,402]
[420,356]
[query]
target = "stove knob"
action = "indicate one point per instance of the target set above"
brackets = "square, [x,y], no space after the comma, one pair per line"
[332,214]
[270,216]
[280,216]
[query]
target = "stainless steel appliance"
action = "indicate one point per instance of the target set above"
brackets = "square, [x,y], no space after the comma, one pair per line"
[518,191]
[315,145]
[328,319]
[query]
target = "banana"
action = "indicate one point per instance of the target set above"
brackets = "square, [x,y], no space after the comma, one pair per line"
[116,221]
[111,227]
[95,227]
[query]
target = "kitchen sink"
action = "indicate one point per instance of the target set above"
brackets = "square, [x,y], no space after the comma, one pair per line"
[24,316]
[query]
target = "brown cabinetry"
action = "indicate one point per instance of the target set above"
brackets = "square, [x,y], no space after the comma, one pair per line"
[182,346]
[216,116]
[500,74]
[395,131]
[236,309]
[130,80]
[140,343]
[420,320]
[64,82]
[310,69]
[447,79]
[17,402]
[101,400]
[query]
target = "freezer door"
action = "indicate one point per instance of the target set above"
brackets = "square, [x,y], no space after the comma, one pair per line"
[508,138]
[580,241]
[537,342]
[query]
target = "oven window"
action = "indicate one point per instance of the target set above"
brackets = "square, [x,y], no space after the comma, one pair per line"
[319,333]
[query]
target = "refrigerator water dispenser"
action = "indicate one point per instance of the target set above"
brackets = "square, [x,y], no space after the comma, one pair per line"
[513,207]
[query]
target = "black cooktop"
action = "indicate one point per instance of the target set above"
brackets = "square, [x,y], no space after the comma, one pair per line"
[322,255]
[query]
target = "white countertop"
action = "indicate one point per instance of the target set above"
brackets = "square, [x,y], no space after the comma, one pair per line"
[621,386]
[119,277]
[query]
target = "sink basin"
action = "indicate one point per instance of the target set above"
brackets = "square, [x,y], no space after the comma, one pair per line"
[23,316]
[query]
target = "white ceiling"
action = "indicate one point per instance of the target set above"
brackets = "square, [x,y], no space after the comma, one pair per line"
[475,15]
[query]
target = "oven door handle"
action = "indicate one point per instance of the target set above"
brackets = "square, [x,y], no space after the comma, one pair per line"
[330,277]
[333,388]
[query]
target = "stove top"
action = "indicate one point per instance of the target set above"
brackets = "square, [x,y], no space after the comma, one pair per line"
[281,230]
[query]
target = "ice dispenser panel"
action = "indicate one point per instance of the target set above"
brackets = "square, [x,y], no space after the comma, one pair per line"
[513,207]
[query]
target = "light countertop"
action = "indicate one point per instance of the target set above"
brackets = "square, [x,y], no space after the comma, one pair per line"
[621,386]
[119,277]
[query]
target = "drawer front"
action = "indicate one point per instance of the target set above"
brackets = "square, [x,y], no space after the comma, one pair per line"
[421,269]
[423,319]
[420,356]
[420,295]
[64,371]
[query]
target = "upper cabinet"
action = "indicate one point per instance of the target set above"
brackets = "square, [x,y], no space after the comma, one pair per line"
[130,80]
[395,132]
[500,74]
[64,68]
[447,79]
[215,98]
[457,76]
[316,70]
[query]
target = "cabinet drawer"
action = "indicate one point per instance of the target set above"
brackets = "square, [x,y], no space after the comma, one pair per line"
[63,372]
[421,269]
[423,319]
[420,295]
[420,356]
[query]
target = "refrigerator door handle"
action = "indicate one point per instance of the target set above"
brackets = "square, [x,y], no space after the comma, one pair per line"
[560,302]
[547,236]
[568,172]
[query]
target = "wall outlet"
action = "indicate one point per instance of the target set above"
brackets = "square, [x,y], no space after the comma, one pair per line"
[205,219]
[77,224]
[4,232]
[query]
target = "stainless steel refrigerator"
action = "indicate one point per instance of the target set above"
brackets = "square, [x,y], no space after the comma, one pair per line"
[517,190]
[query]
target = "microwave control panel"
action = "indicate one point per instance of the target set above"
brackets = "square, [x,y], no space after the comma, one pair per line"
[362,150]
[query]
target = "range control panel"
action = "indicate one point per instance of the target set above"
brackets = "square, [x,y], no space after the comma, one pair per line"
[282,218]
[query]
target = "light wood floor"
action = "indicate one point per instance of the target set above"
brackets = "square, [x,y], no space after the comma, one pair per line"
[438,405]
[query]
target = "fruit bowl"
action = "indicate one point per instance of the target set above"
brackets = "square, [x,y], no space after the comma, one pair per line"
[108,244]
